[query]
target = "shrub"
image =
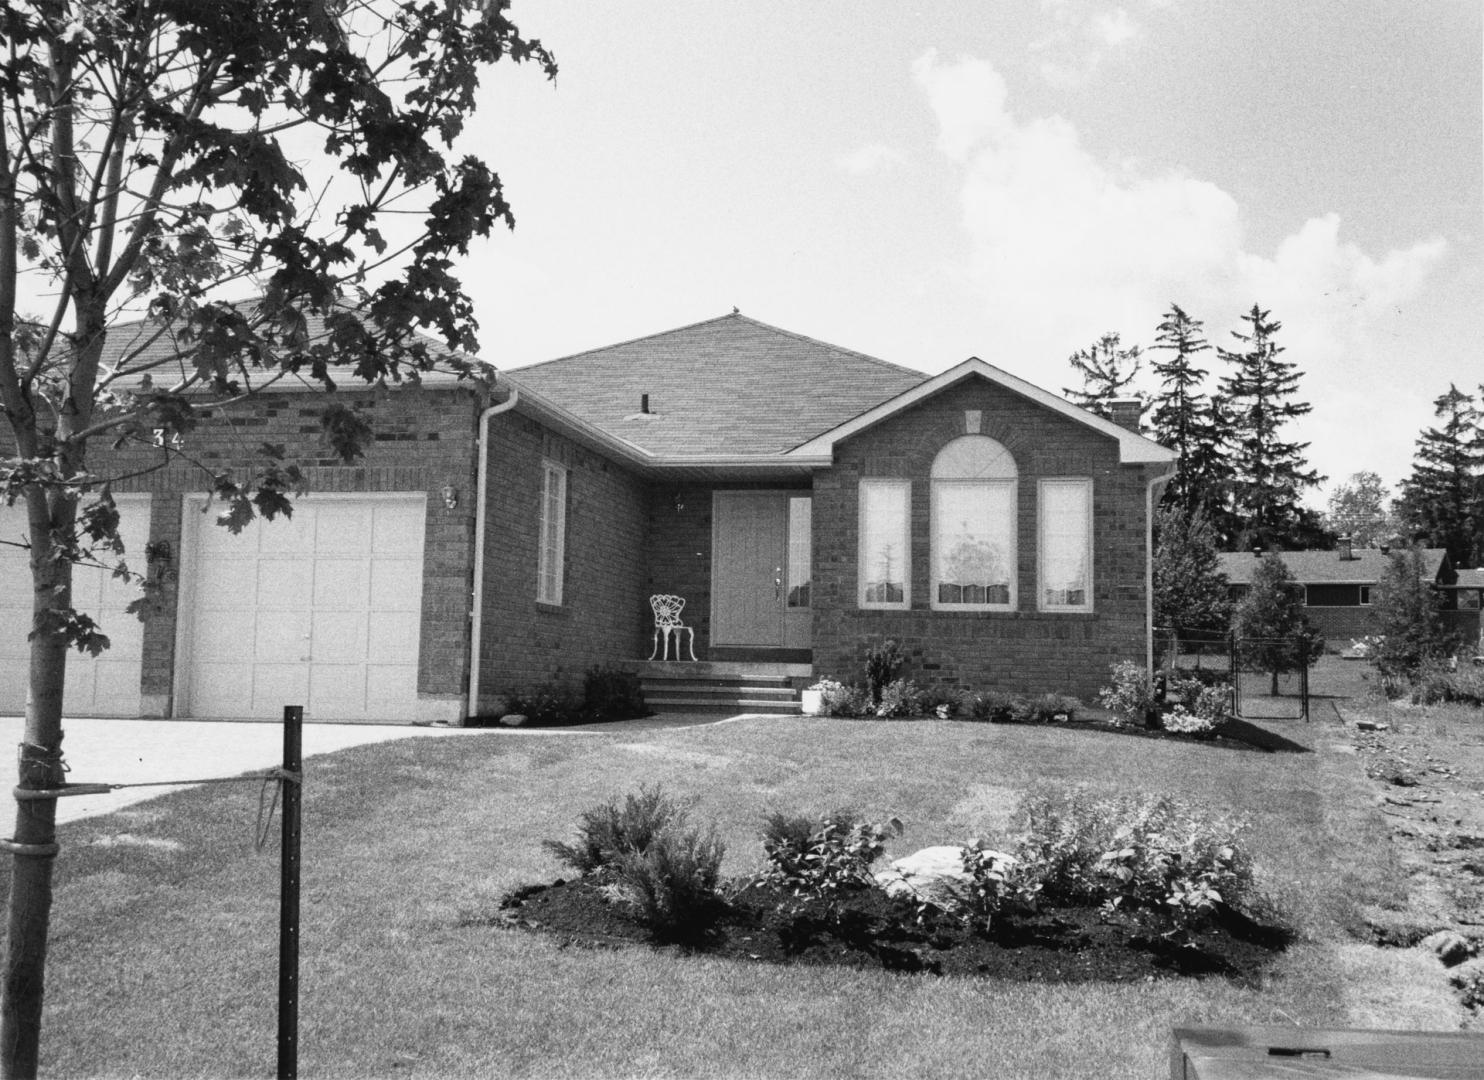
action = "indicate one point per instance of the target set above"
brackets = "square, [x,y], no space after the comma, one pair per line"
[815,860]
[548,704]
[672,882]
[610,693]
[1050,708]
[609,831]
[1436,682]
[1136,852]
[1181,721]
[882,664]
[1062,835]
[847,701]
[944,702]
[996,883]
[900,697]
[1131,697]
[991,705]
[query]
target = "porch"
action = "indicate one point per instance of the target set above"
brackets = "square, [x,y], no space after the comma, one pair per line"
[731,686]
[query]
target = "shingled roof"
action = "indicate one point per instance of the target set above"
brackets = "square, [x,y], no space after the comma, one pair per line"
[731,386]
[1326,567]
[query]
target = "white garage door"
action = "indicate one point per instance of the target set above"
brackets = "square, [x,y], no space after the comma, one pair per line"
[320,610]
[107,685]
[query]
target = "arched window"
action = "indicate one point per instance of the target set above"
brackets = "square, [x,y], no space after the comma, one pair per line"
[973,489]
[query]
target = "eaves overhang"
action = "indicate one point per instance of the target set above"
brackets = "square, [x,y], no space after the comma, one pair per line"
[1133,448]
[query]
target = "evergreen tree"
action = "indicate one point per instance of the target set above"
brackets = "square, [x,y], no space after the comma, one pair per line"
[1186,419]
[1191,595]
[1273,633]
[1408,617]
[1441,503]
[1107,368]
[1268,472]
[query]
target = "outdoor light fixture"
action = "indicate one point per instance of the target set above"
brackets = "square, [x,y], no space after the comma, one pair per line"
[679,502]
[450,497]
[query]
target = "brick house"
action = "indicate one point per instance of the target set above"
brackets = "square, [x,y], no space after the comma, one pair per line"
[805,500]
[1340,585]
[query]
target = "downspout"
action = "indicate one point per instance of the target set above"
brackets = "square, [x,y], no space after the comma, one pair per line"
[1153,483]
[481,499]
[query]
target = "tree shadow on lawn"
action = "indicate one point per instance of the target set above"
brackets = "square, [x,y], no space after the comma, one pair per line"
[1235,734]
[868,929]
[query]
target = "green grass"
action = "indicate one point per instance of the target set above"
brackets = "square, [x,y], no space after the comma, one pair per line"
[164,958]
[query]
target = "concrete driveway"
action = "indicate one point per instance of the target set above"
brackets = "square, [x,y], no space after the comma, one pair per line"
[140,751]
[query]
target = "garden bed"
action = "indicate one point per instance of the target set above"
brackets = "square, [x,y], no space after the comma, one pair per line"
[761,923]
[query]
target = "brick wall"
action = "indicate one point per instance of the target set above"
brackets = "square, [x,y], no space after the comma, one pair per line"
[1340,625]
[605,609]
[1024,650]
[424,439]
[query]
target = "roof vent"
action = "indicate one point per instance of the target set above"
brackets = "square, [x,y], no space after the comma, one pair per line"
[1257,551]
[1385,549]
[644,413]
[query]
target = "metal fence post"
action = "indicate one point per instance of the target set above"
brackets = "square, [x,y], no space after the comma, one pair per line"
[288,895]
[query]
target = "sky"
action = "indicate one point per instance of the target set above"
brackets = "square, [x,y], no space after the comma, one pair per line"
[1008,180]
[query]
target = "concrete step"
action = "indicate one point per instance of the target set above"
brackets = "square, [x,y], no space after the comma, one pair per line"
[712,692]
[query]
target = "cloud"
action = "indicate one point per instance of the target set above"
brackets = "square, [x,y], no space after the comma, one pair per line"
[1083,33]
[1064,246]
[871,158]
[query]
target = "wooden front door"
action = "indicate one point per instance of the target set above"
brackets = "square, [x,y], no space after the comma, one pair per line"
[750,570]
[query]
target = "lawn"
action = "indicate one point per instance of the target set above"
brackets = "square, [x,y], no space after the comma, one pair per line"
[164,949]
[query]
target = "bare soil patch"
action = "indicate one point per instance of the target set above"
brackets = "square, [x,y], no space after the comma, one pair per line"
[871,930]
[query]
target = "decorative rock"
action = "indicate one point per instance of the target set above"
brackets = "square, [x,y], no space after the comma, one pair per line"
[934,874]
[514,719]
[1451,948]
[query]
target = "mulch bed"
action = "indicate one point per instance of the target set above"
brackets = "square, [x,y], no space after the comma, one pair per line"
[764,924]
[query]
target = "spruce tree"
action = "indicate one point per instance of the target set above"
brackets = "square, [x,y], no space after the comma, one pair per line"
[1441,502]
[1186,419]
[1107,369]
[1268,471]
[1192,603]
[1273,633]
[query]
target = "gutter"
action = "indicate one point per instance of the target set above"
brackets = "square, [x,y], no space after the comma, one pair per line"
[481,499]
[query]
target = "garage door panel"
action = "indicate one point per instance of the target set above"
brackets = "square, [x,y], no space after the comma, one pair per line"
[326,615]
[342,528]
[284,584]
[284,535]
[337,690]
[233,585]
[342,584]
[277,685]
[339,637]
[281,637]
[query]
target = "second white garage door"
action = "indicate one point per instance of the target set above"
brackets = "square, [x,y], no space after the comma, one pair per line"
[104,686]
[321,610]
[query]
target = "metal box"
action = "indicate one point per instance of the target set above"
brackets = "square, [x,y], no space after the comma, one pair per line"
[1285,1053]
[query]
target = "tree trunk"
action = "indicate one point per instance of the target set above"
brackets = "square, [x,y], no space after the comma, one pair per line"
[35,820]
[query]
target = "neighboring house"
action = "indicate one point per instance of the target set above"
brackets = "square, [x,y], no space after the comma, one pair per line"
[805,500]
[1339,586]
